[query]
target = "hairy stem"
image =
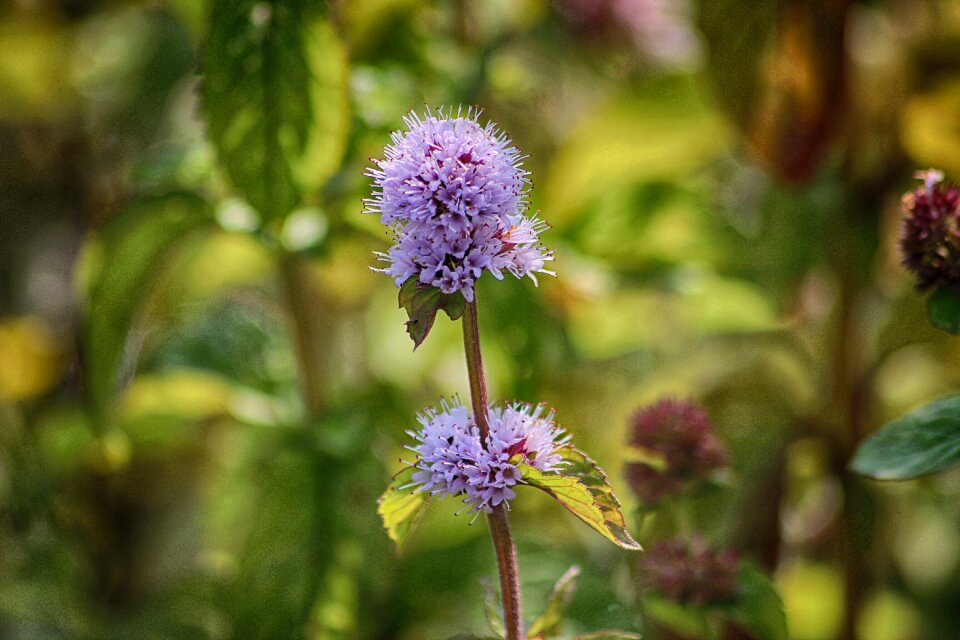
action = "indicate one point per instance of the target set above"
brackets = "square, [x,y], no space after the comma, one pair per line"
[499,525]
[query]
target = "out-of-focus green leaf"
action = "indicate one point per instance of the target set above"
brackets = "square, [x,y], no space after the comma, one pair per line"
[422,303]
[757,606]
[547,624]
[943,309]
[491,609]
[399,507]
[679,128]
[469,636]
[687,620]
[609,635]
[275,97]
[923,441]
[582,488]
[134,245]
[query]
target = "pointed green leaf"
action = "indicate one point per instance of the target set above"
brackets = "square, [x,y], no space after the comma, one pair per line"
[582,488]
[943,309]
[757,606]
[593,477]
[547,624]
[422,302]
[923,441]
[400,507]
[491,609]
[135,244]
[275,98]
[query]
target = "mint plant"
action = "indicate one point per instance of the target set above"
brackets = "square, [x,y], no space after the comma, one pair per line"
[453,193]
[687,585]
[927,439]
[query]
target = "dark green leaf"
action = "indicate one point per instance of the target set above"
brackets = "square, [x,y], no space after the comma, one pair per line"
[491,609]
[422,303]
[582,488]
[400,506]
[135,243]
[757,606]
[943,309]
[547,624]
[275,97]
[923,441]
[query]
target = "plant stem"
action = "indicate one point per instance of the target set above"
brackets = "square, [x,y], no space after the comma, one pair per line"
[499,525]
[308,328]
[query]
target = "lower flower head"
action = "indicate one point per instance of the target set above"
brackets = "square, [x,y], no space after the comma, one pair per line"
[678,447]
[453,193]
[690,572]
[452,459]
[930,232]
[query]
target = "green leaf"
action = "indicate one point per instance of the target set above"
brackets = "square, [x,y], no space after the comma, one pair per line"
[757,606]
[399,507]
[547,624]
[925,440]
[581,486]
[275,98]
[491,609]
[943,309]
[687,620]
[135,243]
[470,636]
[422,303]
[610,635]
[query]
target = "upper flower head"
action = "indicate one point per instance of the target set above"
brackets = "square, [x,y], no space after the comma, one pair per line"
[453,192]
[452,460]
[678,447]
[930,233]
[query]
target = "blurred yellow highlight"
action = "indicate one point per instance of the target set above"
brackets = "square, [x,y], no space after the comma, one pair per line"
[29,359]
[813,599]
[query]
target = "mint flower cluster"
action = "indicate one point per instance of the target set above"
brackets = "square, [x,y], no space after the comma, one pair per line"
[453,193]
[678,440]
[690,572]
[930,232]
[453,460]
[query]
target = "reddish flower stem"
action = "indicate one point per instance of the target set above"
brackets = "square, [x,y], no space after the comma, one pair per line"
[497,521]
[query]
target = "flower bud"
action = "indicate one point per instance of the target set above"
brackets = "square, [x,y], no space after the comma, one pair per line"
[930,232]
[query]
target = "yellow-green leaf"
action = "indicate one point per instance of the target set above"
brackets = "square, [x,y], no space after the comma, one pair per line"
[582,488]
[399,507]
[547,624]
[593,477]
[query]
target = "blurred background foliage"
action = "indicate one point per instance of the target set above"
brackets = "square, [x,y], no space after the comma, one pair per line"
[203,388]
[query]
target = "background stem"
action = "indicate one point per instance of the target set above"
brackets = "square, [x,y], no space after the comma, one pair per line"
[499,524]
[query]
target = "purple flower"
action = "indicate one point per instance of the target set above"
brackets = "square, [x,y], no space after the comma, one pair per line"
[930,232]
[677,440]
[690,572]
[453,193]
[451,460]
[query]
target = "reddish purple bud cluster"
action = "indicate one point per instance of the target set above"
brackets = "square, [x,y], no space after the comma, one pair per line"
[677,447]
[930,233]
[690,572]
